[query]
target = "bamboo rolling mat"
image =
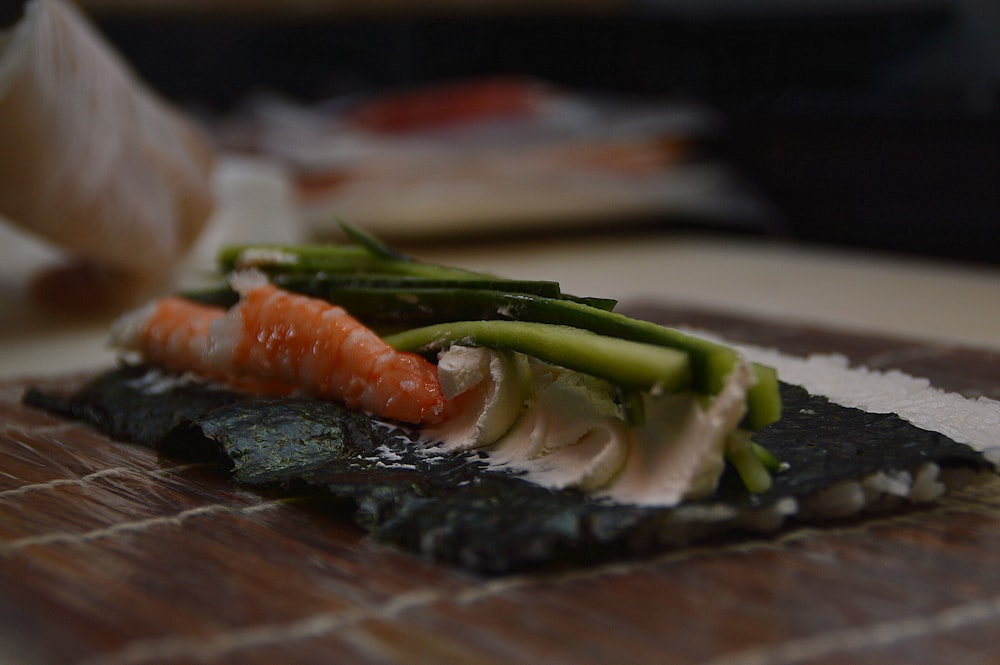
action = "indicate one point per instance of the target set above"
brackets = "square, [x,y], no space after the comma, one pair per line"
[110,555]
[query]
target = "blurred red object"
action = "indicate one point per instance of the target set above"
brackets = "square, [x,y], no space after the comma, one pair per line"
[448,104]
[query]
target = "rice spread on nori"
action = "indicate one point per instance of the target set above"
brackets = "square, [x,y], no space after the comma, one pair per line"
[454,508]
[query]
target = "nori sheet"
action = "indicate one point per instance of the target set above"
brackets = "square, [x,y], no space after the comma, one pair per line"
[450,507]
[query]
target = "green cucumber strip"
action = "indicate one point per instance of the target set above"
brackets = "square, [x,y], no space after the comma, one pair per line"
[340,259]
[371,243]
[740,452]
[622,362]
[607,304]
[763,398]
[711,363]
[766,457]
[633,406]
[380,301]
[377,266]
[330,286]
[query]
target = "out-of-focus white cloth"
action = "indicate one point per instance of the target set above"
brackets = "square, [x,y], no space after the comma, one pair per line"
[92,160]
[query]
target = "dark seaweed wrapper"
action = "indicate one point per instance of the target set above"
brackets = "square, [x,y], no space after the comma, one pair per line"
[452,507]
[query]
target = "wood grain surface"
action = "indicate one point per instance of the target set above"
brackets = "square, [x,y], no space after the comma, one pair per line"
[110,555]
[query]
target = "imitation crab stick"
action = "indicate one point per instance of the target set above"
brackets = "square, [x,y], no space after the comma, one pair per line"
[273,335]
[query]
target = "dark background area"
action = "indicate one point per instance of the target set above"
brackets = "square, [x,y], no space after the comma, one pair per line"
[876,128]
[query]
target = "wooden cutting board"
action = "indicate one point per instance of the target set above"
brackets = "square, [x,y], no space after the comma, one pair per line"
[109,555]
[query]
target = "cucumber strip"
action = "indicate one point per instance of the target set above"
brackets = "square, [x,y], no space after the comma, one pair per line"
[607,304]
[711,363]
[337,259]
[430,292]
[329,262]
[622,362]
[633,406]
[763,398]
[740,452]
[767,458]
[380,301]
[322,285]
[371,243]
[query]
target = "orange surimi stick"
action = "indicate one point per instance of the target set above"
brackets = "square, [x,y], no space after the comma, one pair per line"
[276,336]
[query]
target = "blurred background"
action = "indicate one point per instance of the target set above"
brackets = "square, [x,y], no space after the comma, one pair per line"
[869,124]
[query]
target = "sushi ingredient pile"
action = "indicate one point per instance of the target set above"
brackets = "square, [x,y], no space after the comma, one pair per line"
[567,392]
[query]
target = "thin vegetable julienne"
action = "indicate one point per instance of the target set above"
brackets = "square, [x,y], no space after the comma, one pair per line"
[711,363]
[334,259]
[622,362]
